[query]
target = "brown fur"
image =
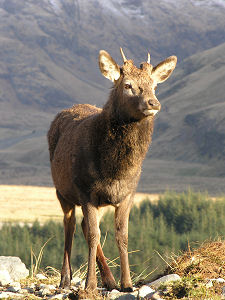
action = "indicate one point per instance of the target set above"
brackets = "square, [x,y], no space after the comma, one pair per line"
[96,156]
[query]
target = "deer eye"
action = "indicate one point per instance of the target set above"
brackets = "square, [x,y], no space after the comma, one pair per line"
[128,86]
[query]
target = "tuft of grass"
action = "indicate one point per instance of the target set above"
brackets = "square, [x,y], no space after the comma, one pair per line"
[36,260]
[207,261]
[191,287]
[196,266]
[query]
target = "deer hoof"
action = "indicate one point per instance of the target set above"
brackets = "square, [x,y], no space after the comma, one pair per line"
[91,286]
[65,282]
[127,289]
[110,286]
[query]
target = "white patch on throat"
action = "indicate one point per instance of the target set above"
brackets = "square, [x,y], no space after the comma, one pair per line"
[150,112]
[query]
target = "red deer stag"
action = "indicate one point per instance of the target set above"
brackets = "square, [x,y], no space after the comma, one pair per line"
[96,157]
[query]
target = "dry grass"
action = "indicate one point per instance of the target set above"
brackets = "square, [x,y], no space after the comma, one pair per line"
[196,267]
[205,262]
[30,203]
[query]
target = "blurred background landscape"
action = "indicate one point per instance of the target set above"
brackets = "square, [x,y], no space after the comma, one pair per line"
[49,61]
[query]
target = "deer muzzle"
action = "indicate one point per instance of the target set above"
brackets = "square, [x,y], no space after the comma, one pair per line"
[151,107]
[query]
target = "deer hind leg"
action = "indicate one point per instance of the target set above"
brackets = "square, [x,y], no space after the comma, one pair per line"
[121,231]
[69,229]
[108,280]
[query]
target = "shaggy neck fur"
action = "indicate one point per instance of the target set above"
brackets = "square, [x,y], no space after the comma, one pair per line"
[124,140]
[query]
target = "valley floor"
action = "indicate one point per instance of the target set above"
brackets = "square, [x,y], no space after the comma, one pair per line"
[31,203]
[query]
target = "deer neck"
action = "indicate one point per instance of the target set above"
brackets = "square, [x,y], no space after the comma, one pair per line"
[126,141]
[114,109]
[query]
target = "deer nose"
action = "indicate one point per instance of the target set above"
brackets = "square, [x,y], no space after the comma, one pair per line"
[154,104]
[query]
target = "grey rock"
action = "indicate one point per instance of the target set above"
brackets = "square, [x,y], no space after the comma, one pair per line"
[32,285]
[218,280]
[14,287]
[45,291]
[114,291]
[10,295]
[128,296]
[164,279]
[210,281]
[145,292]
[4,295]
[209,284]
[223,292]
[40,276]
[51,287]
[28,289]
[15,267]
[116,295]
[112,294]
[58,296]
[4,278]
[76,281]
[156,296]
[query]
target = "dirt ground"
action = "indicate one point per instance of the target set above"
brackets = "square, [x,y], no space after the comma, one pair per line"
[30,203]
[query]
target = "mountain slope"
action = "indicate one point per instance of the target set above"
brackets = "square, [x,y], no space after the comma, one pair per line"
[193,108]
[49,48]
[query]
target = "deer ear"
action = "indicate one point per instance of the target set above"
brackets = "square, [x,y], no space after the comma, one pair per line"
[164,69]
[108,66]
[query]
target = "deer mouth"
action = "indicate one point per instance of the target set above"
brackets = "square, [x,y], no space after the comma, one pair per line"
[150,112]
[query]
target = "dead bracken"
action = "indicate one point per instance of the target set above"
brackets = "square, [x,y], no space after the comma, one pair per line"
[202,271]
[206,262]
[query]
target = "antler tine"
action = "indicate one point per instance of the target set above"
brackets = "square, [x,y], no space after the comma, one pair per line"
[149,57]
[123,56]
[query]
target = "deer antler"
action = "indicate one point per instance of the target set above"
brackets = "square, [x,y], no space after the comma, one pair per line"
[123,56]
[149,57]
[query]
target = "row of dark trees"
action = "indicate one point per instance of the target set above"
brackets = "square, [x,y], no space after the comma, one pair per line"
[155,230]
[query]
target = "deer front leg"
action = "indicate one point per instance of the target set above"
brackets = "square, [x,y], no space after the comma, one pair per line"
[93,238]
[121,229]
[108,280]
[69,229]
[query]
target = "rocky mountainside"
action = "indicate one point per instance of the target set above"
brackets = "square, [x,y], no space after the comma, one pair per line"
[49,51]
[49,48]
[193,110]
[190,128]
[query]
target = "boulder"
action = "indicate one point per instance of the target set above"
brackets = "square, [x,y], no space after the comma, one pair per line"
[163,280]
[14,266]
[145,292]
[4,277]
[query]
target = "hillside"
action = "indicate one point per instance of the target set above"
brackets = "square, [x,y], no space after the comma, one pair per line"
[49,55]
[190,128]
[49,48]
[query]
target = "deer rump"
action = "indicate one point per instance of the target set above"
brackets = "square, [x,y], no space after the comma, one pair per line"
[96,157]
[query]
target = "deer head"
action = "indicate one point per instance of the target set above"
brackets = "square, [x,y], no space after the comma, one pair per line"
[134,88]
